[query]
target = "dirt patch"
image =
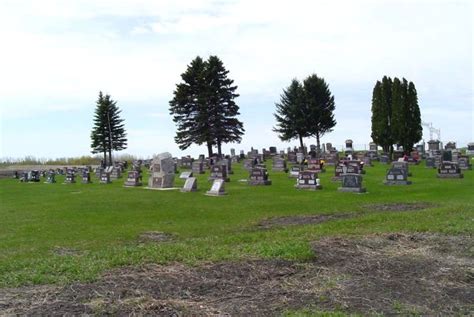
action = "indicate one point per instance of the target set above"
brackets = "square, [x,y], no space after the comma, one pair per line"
[300,220]
[397,207]
[388,274]
[155,236]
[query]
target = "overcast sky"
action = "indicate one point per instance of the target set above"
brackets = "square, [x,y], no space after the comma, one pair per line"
[55,56]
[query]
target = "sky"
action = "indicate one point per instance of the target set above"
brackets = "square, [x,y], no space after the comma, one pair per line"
[56,55]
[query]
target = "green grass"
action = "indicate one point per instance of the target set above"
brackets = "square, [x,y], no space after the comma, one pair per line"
[102,222]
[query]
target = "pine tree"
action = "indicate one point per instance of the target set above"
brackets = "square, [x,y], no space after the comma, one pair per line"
[224,126]
[414,130]
[203,106]
[320,106]
[291,114]
[108,133]
[379,117]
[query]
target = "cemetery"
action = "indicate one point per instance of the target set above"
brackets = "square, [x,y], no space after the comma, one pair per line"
[223,221]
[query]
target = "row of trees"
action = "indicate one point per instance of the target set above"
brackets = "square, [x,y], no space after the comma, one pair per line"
[204,107]
[305,109]
[204,110]
[396,117]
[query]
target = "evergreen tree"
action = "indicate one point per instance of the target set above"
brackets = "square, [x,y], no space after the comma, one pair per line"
[108,133]
[223,124]
[414,130]
[379,117]
[203,106]
[291,114]
[320,106]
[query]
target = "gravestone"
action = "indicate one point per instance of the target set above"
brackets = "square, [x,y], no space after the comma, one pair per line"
[397,176]
[294,171]
[352,183]
[367,160]
[217,188]
[349,148]
[24,177]
[70,177]
[384,159]
[162,171]
[447,156]
[354,167]
[331,158]
[279,164]
[259,176]
[372,147]
[86,177]
[186,175]
[115,172]
[292,157]
[464,163]
[186,162]
[34,176]
[273,150]
[397,155]
[402,165]
[438,160]
[433,145]
[340,169]
[198,167]
[299,157]
[430,162]
[219,172]
[228,164]
[450,146]
[249,164]
[470,149]
[329,147]
[51,177]
[308,180]
[133,179]
[190,185]
[105,178]
[449,170]
[15,175]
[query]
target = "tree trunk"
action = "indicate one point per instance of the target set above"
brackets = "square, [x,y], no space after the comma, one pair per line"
[209,149]
[105,158]
[110,156]
[391,152]
[318,144]
[219,148]
[301,144]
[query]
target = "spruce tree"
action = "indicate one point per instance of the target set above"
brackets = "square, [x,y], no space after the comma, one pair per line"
[291,114]
[223,124]
[203,106]
[320,107]
[108,133]
[414,130]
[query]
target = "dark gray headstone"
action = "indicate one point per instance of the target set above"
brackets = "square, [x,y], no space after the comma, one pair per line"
[397,176]
[259,176]
[449,170]
[308,180]
[352,183]
[219,172]
[133,179]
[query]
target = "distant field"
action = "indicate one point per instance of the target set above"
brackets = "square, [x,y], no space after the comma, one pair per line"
[62,234]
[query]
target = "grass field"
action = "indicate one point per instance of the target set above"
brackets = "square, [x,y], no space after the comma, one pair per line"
[61,233]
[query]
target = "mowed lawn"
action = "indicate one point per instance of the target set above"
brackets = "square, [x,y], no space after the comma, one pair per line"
[59,233]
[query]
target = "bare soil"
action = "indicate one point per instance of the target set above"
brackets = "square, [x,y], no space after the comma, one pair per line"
[300,220]
[390,274]
[397,207]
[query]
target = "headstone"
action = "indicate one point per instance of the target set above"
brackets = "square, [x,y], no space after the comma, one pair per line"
[447,156]
[315,166]
[367,161]
[384,159]
[70,177]
[352,183]
[349,148]
[339,169]
[105,178]
[51,177]
[115,172]
[299,157]
[292,157]
[397,176]
[279,164]
[273,150]
[219,172]
[470,149]
[186,175]
[331,158]
[464,164]
[449,170]
[232,152]
[249,164]
[217,188]
[433,145]
[402,165]
[186,162]
[190,185]
[354,167]
[430,162]
[133,179]
[450,146]
[294,171]
[438,160]
[397,155]
[163,171]
[308,180]
[372,147]
[198,167]
[15,175]
[259,176]
[86,177]
[24,177]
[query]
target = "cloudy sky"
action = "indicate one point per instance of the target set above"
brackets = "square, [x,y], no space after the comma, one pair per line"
[55,56]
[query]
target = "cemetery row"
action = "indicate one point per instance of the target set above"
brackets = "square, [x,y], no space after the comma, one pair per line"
[348,169]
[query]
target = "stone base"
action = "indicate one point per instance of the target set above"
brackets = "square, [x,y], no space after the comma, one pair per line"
[352,190]
[310,187]
[450,176]
[225,179]
[397,182]
[209,193]
[130,184]
[157,188]
[267,182]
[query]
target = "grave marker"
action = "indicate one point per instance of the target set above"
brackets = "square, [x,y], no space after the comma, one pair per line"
[352,183]
[133,179]
[217,188]
[219,172]
[397,176]
[259,176]
[163,171]
[190,185]
[308,180]
[186,175]
[449,170]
